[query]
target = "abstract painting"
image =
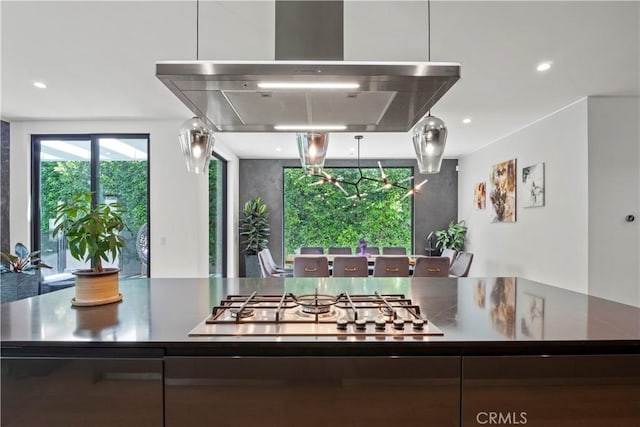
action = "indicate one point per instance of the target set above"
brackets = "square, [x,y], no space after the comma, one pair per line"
[502,191]
[533,185]
[480,195]
[531,316]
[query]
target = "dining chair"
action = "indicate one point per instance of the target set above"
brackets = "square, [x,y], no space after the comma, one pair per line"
[394,250]
[267,270]
[451,254]
[339,250]
[461,265]
[350,266]
[431,266]
[311,266]
[312,250]
[391,266]
[373,250]
[272,264]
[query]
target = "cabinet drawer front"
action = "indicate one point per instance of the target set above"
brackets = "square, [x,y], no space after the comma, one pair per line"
[315,391]
[562,391]
[93,392]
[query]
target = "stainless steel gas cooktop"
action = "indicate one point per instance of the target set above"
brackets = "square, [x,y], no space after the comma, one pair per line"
[316,315]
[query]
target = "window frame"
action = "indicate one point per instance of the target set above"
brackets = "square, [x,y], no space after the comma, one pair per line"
[94,161]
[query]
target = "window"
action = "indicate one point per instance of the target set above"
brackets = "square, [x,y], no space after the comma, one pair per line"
[115,168]
[217,217]
[321,215]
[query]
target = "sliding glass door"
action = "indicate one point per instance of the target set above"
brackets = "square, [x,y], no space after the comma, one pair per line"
[113,167]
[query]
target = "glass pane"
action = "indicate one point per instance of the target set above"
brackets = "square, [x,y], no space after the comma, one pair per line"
[64,172]
[216,217]
[322,215]
[123,179]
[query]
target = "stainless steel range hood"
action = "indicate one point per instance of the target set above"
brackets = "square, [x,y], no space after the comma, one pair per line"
[389,97]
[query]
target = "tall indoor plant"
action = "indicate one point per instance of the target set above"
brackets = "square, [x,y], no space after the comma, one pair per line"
[93,235]
[254,234]
[452,237]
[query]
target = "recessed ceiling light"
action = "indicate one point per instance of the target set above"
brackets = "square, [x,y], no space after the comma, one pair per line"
[40,85]
[278,149]
[544,66]
[466,121]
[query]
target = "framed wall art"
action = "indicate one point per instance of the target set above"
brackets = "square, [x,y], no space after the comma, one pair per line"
[502,191]
[533,186]
[480,195]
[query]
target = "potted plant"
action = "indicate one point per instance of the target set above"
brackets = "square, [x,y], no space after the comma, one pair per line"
[93,235]
[254,233]
[20,278]
[452,237]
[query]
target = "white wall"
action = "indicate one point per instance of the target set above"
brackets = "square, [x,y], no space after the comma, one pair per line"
[546,244]
[614,180]
[179,201]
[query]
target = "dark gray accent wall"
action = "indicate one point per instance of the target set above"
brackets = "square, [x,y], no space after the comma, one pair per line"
[5,186]
[434,207]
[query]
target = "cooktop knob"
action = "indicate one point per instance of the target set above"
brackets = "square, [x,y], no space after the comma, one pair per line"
[398,324]
[361,324]
[381,324]
[418,324]
[342,324]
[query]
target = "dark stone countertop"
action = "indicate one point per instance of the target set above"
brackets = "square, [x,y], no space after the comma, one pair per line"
[477,316]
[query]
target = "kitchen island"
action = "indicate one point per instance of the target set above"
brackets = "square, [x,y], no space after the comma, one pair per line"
[512,351]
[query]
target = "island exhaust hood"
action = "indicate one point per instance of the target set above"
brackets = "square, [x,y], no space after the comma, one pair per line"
[308,86]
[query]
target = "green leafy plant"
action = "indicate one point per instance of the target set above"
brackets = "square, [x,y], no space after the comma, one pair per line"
[23,260]
[452,237]
[93,233]
[254,226]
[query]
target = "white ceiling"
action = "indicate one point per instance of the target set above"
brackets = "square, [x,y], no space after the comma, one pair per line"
[98,60]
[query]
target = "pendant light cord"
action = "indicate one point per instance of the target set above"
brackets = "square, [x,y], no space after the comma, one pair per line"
[429,30]
[197,30]
[429,37]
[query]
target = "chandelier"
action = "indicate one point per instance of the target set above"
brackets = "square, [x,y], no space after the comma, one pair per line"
[313,167]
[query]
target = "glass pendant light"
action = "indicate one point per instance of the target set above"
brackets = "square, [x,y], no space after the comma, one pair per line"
[429,139]
[312,148]
[430,133]
[196,143]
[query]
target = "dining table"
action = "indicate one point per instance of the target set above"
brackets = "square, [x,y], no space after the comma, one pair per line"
[330,257]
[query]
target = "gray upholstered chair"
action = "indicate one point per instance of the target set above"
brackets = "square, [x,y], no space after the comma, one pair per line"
[350,266]
[451,254]
[339,250]
[313,250]
[461,265]
[391,266]
[266,267]
[394,250]
[310,266]
[431,266]
[272,264]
